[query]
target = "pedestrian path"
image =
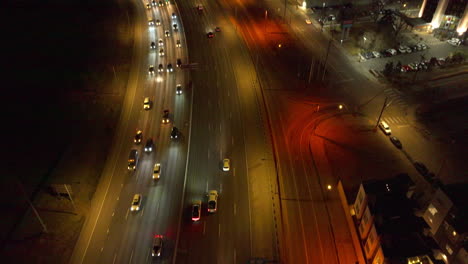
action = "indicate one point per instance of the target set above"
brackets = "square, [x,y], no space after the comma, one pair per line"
[395,97]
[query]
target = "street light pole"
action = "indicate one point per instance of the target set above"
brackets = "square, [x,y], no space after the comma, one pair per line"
[381,112]
[326,59]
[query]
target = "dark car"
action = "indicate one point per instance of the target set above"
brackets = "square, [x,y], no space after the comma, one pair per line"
[210,35]
[149,145]
[153,45]
[153,2]
[151,70]
[160,68]
[196,211]
[169,67]
[179,62]
[157,246]
[175,27]
[218,29]
[396,142]
[165,117]
[160,3]
[179,89]
[138,137]
[175,132]
[421,168]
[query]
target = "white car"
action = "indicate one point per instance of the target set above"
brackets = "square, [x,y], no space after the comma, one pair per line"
[385,128]
[147,103]
[136,202]
[454,41]
[151,22]
[179,89]
[308,22]
[174,16]
[376,54]
[226,164]
[212,201]
[157,171]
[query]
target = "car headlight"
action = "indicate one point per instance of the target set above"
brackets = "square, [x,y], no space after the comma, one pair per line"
[152,254]
[138,208]
[159,254]
[131,209]
[150,149]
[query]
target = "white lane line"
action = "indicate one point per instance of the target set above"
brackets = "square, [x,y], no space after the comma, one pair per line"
[220,188]
[204,227]
[115,256]
[108,231]
[219,230]
[113,213]
[142,211]
[235,210]
[131,256]
[147,255]
[102,249]
[118,197]
[206,187]
[126,214]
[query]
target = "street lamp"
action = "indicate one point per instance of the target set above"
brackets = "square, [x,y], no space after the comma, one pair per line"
[339,107]
[329,187]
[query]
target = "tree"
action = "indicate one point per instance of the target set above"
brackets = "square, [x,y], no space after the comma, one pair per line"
[398,67]
[376,8]
[398,25]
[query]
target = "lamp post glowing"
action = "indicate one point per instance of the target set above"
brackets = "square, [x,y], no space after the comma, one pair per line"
[329,187]
[339,107]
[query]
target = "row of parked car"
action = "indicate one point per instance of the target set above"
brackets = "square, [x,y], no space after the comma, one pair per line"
[402,49]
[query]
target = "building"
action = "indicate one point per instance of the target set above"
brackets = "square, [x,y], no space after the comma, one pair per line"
[451,15]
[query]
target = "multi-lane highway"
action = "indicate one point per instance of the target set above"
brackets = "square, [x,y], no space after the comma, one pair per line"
[113,233]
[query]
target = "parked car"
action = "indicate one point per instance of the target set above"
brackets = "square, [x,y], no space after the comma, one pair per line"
[396,142]
[393,52]
[454,41]
[376,54]
[421,168]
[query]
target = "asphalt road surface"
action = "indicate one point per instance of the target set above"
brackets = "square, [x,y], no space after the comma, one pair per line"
[112,233]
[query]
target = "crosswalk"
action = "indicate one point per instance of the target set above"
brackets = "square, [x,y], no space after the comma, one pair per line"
[395,97]
[395,120]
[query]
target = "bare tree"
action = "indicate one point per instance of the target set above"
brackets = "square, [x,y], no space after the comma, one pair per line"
[398,25]
[376,9]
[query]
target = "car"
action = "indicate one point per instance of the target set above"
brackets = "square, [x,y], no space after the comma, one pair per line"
[160,68]
[151,70]
[169,67]
[157,246]
[199,7]
[161,52]
[402,49]
[138,137]
[396,142]
[133,159]
[413,66]
[376,54]
[147,103]
[385,53]
[167,34]
[148,6]
[393,52]
[308,22]
[153,45]
[226,164]
[153,2]
[174,16]
[179,89]
[423,46]
[367,55]
[151,22]
[149,145]
[165,117]
[385,128]
[160,3]
[178,43]
[210,34]
[331,17]
[175,27]
[421,168]
[160,43]
[212,201]
[136,202]
[174,133]
[179,62]
[217,29]
[156,171]
[405,68]
[158,22]
[196,210]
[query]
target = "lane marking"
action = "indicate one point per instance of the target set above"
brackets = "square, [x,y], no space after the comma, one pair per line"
[115,256]
[113,213]
[108,231]
[127,214]
[220,188]
[131,256]
[206,187]
[142,211]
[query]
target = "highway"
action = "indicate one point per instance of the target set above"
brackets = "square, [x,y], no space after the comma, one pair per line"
[112,233]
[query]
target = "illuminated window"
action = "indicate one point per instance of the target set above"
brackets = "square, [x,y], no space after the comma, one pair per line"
[432,209]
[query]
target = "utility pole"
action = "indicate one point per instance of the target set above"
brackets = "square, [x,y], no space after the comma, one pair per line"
[44,228]
[326,59]
[381,112]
